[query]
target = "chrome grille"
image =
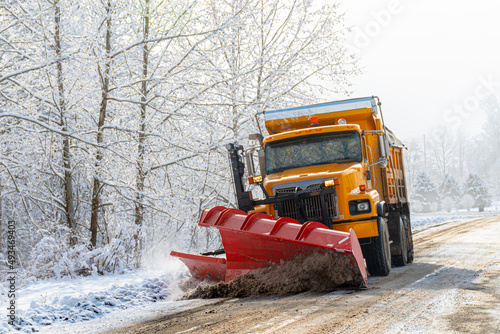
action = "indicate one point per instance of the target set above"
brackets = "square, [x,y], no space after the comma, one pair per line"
[312,206]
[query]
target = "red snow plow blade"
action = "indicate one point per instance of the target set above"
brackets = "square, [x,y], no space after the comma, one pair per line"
[253,241]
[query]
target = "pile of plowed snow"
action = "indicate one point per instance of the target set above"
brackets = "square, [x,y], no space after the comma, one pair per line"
[50,309]
[316,272]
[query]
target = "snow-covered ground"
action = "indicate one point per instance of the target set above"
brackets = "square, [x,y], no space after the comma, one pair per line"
[421,221]
[95,303]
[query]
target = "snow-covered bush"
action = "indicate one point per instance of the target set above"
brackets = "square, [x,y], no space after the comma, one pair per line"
[116,256]
[417,206]
[52,258]
[467,202]
[448,203]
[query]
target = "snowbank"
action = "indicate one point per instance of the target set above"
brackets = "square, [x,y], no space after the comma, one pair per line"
[423,221]
[43,304]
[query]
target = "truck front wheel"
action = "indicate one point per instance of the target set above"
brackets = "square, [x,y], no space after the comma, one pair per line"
[378,252]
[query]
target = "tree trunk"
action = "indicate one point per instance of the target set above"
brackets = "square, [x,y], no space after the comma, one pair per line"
[68,178]
[139,198]
[97,186]
[1,216]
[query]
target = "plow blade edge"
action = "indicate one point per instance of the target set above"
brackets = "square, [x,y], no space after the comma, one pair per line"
[256,240]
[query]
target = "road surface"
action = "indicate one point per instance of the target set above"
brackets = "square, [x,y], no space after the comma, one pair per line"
[453,286]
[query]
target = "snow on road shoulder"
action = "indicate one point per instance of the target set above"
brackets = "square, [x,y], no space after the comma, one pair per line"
[46,305]
[121,318]
[423,221]
[420,221]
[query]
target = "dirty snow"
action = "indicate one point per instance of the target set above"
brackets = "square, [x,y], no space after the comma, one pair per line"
[316,272]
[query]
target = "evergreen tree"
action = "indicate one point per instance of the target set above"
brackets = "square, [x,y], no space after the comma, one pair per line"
[449,192]
[475,187]
[425,193]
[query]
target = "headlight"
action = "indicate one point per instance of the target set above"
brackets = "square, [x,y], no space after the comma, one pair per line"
[363,206]
[360,206]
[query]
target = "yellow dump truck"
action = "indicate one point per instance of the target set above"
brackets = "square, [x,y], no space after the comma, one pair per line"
[335,163]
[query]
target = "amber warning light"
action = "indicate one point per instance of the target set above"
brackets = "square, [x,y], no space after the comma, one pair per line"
[255,179]
[332,182]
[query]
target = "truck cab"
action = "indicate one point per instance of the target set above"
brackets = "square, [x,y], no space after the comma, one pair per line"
[334,163]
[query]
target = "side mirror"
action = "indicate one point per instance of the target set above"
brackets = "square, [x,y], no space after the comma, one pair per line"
[383,162]
[249,156]
[261,156]
[262,162]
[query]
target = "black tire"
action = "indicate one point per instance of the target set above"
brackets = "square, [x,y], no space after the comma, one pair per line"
[378,252]
[401,259]
[409,236]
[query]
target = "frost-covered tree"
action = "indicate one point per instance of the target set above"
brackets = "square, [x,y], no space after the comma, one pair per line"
[413,161]
[461,146]
[35,96]
[63,115]
[425,193]
[277,54]
[162,87]
[491,142]
[43,155]
[492,124]
[104,71]
[114,115]
[449,188]
[476,188]
[443,150]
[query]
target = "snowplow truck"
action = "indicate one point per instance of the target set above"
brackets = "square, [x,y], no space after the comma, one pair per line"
[331,178]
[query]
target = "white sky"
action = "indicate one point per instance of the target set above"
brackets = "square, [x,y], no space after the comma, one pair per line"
[424,57]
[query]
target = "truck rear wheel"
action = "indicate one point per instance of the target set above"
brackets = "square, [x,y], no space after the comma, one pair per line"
[409,237]
[378,252]
[402,259]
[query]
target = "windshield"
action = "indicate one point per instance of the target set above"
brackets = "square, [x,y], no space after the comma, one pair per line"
[313,150]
